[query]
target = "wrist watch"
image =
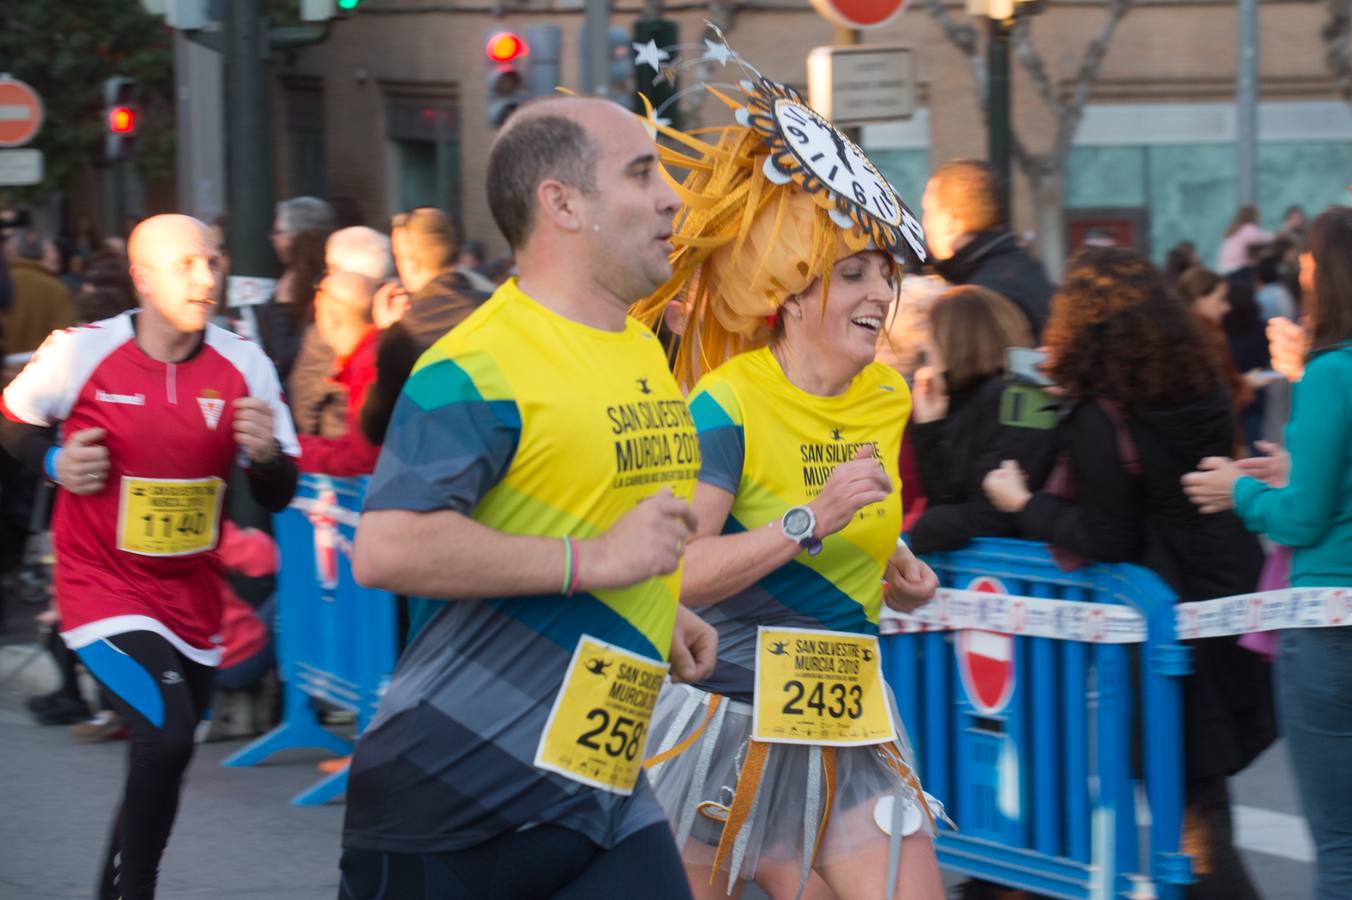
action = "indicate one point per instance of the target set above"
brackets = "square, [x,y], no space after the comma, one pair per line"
[798,523]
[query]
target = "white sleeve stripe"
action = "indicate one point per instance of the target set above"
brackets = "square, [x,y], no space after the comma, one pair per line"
[44,391]
[260,375]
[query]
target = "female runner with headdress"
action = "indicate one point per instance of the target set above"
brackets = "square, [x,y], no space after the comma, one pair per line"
[791,758]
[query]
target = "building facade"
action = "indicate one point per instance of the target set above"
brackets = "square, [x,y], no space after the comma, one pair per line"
[392,109]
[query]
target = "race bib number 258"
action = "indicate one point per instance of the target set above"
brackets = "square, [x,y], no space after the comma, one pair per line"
[820,687]
[598,727]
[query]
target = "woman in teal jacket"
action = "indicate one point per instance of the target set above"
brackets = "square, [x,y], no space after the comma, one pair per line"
[1303,499]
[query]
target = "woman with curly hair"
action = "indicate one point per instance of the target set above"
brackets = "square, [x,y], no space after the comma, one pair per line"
[1144,405]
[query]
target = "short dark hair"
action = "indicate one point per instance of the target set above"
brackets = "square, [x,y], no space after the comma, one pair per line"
[1330,242]
[1196,283]
[531,149]
[430,235]
[1269,269]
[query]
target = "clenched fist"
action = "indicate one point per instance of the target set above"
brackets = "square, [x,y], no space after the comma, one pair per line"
[253,429]
[82,464]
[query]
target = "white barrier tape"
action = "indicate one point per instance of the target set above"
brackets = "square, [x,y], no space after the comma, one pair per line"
[1102,623]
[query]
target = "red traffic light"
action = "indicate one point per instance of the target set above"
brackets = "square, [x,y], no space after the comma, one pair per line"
[122,120]
[504,47]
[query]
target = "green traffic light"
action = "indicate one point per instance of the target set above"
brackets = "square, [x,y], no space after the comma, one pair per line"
[348,4]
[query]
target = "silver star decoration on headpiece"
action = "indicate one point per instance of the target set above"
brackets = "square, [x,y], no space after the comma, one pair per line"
[650,54]
[717,51]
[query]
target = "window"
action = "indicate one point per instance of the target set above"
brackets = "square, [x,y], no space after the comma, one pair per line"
[424,138]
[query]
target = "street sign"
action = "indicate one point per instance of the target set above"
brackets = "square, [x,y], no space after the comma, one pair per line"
[19,167]
[20,112]
[246,290]
[863,14]
[986,660]
[860,85]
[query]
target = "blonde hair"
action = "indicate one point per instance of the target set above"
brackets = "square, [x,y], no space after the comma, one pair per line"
[744,245]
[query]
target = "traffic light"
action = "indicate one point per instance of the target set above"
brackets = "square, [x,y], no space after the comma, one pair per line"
[648,82]
[508,57]
[121,116]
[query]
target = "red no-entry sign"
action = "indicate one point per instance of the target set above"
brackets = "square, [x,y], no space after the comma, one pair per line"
[986,660]
[20,112]
[862,14]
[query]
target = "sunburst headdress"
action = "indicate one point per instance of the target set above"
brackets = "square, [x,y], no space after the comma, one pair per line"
[768,206]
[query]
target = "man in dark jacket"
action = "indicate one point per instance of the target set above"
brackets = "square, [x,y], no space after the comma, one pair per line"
[425,243]
[971,244]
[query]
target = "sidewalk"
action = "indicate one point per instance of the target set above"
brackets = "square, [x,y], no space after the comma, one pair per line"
[236,837]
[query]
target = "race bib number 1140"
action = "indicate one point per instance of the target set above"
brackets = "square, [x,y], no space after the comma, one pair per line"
[820,687]
[598,727]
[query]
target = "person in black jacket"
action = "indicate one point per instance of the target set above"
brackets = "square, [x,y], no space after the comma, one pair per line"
[426,243]
[971,244]
[1144,405]
[961,420]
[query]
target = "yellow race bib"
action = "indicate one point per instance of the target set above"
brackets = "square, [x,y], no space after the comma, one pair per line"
[820,687]
[598,727]
[169,516]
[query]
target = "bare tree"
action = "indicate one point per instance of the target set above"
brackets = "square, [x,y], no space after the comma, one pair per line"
[1337,34]
[1044,168]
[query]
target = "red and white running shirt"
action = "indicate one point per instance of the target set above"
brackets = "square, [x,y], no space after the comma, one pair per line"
[140,555]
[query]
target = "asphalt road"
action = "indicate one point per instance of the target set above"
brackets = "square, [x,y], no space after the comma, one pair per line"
[237,837]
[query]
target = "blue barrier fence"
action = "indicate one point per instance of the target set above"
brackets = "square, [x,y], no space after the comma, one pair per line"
[336,641]
[1030,741]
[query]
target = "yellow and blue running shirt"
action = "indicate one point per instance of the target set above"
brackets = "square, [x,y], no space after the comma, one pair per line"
[531,424]
[773,446]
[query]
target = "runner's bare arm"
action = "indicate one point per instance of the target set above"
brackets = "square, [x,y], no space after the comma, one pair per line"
[721,565]
[717,566]
[448,556]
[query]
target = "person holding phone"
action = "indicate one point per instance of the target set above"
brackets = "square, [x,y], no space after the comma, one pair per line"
[970,414]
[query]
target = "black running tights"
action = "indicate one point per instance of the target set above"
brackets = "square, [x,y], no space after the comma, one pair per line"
[161,695]
[540,862]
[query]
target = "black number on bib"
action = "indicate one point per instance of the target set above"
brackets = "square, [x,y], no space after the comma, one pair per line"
[790,708]
[815,700]
[586,739]
[857,695]
[619,732]
[635,740]
[838,707]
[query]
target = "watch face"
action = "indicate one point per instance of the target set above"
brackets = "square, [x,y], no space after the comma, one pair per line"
[811,152]
[797,523]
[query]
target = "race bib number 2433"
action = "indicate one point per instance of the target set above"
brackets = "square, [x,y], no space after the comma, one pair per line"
[820,687]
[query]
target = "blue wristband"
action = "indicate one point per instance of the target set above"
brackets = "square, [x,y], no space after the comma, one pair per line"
[49,461]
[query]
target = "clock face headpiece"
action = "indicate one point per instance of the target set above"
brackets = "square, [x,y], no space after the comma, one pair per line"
[769,205]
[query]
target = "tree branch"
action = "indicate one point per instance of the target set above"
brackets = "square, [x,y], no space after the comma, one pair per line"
[1022,38]
[964,37]
[1337,34]
[1069,123]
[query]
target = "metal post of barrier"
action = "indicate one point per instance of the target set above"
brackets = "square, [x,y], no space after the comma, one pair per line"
[336,641]
[1048,737]
[1030,740]
[1164,663]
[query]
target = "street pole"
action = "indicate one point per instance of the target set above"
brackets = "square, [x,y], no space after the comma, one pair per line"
[997,109]
[1246,102]
[201,128]
[596,55]
[248,140]
[849,37]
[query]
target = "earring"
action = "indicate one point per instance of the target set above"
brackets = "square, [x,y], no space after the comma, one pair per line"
[798,314]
